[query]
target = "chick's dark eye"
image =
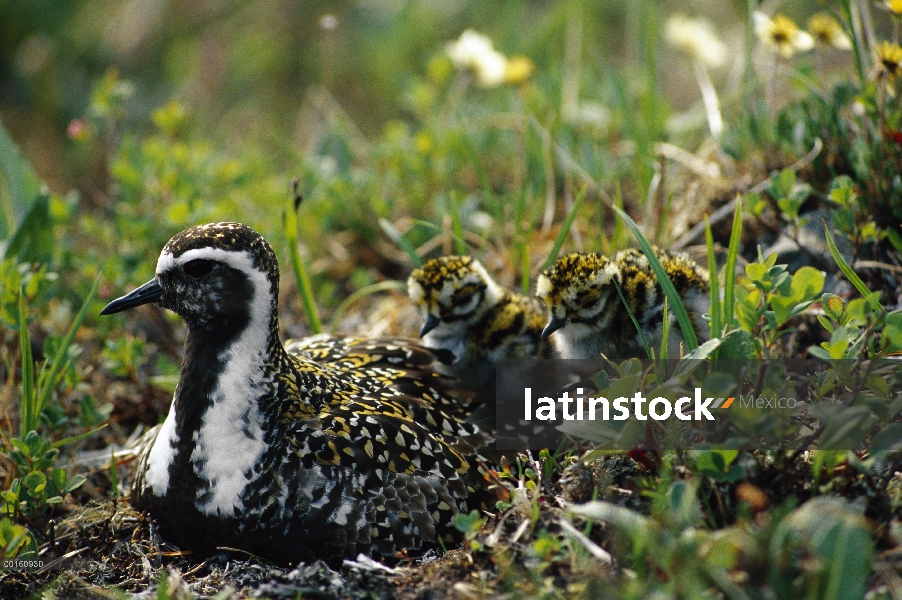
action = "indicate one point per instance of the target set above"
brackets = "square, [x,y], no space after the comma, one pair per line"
[198,267]
[587,298]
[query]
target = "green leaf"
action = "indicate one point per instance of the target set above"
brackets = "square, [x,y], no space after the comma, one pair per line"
[837,546]
[757,272]
[74,483]
[24,218]
[889,439]
[601,380]
[892,333]
[58,477]
[35,482]
[748,307]
[844,427]
[805,285]
[12,537]
[842,191]
[782,184]
[833,305]
[468,522]
[716,464]
[737,345]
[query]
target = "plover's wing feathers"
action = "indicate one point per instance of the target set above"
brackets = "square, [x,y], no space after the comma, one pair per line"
[400,366]
[368,435]
[357,352]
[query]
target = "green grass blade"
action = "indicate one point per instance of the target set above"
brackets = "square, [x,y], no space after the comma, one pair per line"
[78,437]
[629,311]
[857,50]
[524,268]
[618,238]
[665,331]
[716,310]
[60,360]
[483,177]
[398,238]
[459,242]
[851,275]
[676,303]
[382,286]
[302,279]
[460,246]
[729,269]
[28,395]
[565,228]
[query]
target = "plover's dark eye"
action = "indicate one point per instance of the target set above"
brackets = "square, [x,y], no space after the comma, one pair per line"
[198,267]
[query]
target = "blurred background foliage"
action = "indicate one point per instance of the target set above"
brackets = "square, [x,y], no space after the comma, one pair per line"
[155,115]
[146,117]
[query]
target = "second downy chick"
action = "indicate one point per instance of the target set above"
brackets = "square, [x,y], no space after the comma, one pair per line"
[478,320]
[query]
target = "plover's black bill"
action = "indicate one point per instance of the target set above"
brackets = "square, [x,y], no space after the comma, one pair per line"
[147,293]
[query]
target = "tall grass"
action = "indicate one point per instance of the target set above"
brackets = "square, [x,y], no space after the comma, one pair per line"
[38,387]
[676,303]
[565,229]
[302,279]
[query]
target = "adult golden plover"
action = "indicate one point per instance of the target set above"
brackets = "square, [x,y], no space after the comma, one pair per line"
[344,446]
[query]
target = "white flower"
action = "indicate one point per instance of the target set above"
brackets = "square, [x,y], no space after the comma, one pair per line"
[827,31]
[697,38]
[475,52]
[781,35]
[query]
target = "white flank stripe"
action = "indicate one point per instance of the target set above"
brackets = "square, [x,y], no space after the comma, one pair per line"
[161,456]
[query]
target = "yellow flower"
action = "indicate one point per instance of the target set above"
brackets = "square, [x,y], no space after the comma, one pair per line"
[827,31]
[519,69]
[474,51]
[894,6]
[781,35]
[888,63]
[697,38]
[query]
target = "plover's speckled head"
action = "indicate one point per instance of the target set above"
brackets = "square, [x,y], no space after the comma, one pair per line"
[228,237]
[221,276]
